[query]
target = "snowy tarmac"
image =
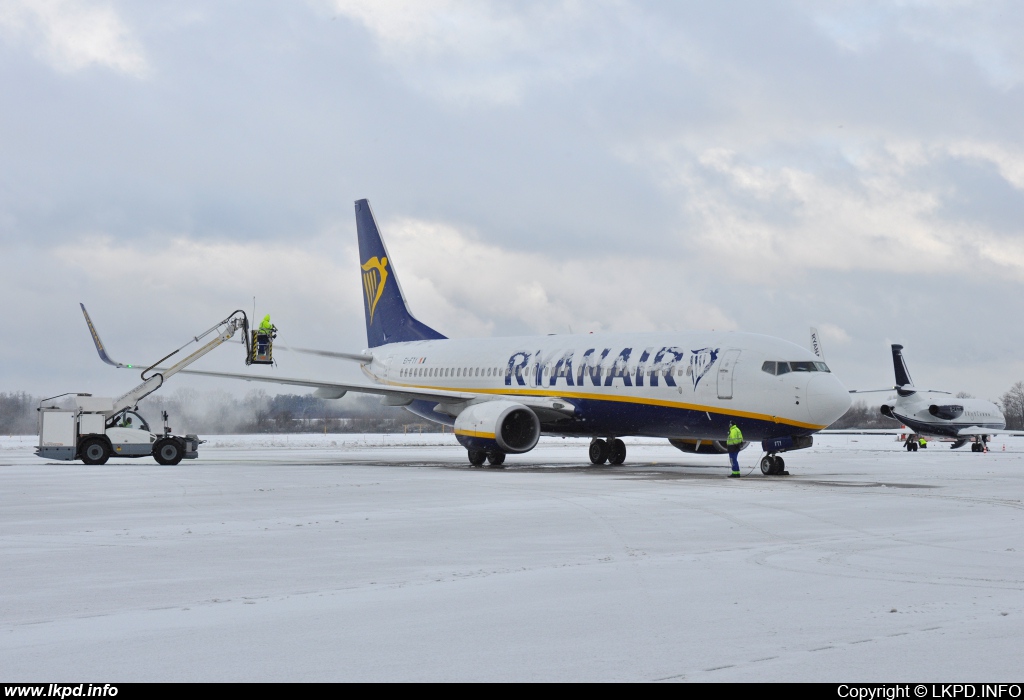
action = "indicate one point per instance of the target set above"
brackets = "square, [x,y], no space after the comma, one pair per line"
[354,558]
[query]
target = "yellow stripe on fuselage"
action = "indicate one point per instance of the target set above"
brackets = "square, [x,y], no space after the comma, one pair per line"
[512,391]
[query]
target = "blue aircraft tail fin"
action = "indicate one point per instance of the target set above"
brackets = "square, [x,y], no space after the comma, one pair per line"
[900,365]
[388,319]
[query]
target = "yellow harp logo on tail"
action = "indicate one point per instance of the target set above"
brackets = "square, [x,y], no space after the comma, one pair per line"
[375,275]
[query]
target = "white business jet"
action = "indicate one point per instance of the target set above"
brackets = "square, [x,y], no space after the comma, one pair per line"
[501,394]
[938,413]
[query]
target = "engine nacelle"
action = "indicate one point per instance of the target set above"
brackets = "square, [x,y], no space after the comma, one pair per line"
[949,412]
[509,426]
[703,447]
[886,410]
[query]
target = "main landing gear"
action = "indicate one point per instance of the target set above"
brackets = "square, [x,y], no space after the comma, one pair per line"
[981,445]
[612,451]
[773,465]
[493,457]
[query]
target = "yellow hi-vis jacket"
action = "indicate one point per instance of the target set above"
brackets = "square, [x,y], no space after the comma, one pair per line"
[265,324]
[735,436]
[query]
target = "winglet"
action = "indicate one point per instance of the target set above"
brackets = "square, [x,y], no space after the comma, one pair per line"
[99,343]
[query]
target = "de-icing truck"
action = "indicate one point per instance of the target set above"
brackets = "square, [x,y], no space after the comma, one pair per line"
[98,428]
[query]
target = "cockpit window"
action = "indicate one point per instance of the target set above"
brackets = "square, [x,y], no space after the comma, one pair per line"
[777,368]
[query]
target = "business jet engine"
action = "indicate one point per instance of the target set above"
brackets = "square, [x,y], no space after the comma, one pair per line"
[703,447]
[948,412]
[507,426]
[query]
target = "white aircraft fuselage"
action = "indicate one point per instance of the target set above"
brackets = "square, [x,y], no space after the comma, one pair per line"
[942,415]
[673,385]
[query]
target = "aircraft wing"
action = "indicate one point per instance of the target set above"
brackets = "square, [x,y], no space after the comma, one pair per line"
[975,431]
[548,409]
[972,431]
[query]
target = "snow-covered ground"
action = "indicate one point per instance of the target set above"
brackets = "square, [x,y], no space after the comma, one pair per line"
[327,557]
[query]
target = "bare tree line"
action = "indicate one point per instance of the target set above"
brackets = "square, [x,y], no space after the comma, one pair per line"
[222,413]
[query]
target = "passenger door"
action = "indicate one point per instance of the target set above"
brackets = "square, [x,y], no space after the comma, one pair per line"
[725,373]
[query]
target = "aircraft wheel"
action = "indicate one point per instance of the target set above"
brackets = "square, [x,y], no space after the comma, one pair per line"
[598,451]
[477,457]
[496,458]
[168,451]
[95,451]
[767,465]
[780,465]
[974,447]
[616,452]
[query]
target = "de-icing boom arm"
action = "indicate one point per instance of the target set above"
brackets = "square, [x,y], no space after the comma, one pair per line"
[226,329]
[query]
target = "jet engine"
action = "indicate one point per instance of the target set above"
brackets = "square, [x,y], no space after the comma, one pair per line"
[702,447]
[886,410]
[508,426]
[948,412]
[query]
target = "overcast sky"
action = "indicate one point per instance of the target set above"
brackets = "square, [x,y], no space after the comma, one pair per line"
[534,166]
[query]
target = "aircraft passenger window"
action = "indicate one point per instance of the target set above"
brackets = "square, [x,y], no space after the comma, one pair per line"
[822,367]
[768,367]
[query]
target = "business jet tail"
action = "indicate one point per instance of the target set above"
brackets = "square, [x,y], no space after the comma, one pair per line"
[904,384]
[388,319]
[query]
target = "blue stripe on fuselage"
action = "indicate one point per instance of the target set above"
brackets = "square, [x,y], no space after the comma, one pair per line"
[596,418]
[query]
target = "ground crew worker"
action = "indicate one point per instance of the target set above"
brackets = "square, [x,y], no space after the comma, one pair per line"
[267,331]
[733,444]
[922,442]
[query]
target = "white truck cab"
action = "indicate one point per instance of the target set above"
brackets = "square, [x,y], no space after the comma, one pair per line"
[94,432]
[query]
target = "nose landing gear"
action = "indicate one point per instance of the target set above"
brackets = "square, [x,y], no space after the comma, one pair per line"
[773,465]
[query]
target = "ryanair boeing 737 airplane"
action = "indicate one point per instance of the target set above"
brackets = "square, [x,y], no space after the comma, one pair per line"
[501,394]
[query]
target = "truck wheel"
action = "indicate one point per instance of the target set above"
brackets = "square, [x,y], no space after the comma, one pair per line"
[95,451]
[168,451]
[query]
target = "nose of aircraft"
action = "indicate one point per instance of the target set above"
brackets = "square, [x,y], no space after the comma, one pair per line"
[827,399]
